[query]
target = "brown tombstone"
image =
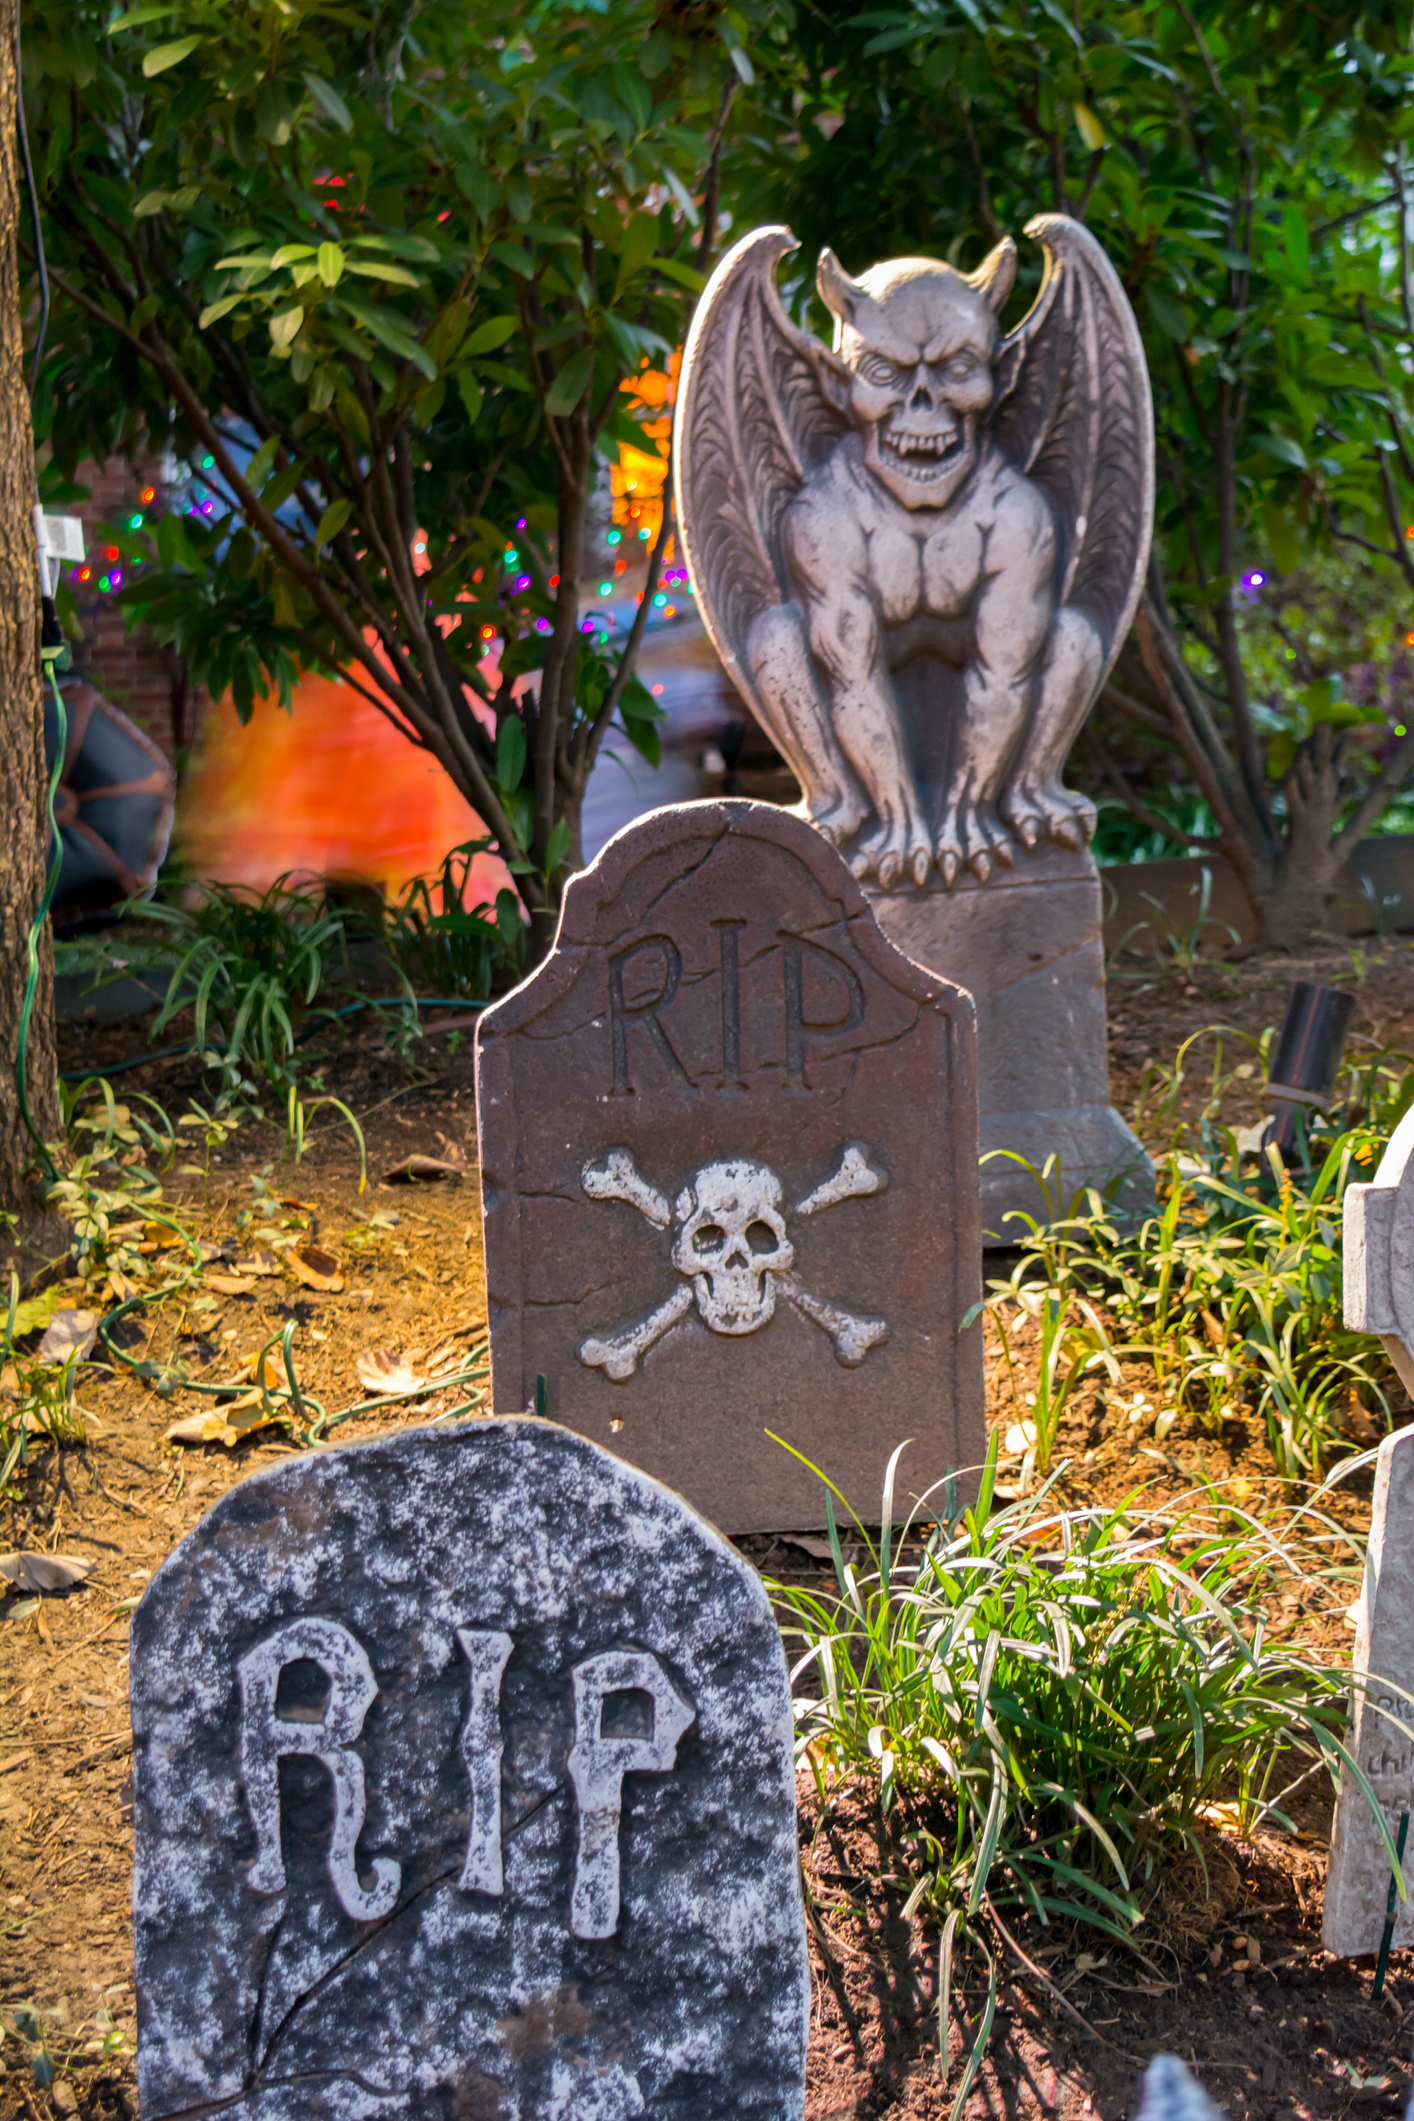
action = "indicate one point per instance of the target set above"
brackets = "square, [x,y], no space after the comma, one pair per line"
[729,1177]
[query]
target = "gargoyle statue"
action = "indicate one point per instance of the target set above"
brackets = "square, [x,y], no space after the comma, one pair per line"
[918,554]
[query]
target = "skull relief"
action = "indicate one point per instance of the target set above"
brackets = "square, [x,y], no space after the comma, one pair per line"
[732,1242]
[734,1253]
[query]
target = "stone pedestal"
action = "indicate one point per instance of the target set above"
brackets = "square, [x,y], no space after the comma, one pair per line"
[1027,946]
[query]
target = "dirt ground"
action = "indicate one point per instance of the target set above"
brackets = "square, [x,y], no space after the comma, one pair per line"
[1281,2029]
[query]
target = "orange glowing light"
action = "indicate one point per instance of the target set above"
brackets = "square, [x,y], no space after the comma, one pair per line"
[149,493]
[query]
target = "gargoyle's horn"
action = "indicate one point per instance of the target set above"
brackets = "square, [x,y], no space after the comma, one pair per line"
[856,308]
[995,276]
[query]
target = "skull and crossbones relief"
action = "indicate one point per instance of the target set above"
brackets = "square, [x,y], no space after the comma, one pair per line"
[734,1252]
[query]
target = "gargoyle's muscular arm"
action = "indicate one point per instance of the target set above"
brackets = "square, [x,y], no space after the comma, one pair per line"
[827,555]
[1011,614]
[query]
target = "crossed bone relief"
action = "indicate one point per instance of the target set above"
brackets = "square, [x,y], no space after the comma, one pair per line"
[734,1253]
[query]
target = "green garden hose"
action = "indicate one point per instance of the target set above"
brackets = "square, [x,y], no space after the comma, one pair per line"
[36,930]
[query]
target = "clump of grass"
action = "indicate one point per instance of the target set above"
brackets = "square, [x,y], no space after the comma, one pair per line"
[1233,1290]
[1041,1704]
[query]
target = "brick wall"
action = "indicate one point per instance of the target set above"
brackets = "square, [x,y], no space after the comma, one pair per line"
[129,668]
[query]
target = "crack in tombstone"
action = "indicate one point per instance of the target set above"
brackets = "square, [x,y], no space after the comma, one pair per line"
[259,2078]
[256,2081]
[308,2076]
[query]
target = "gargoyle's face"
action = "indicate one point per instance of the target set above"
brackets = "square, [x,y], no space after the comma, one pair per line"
[920,340]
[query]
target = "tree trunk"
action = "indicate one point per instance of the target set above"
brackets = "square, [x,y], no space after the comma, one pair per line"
[23,833]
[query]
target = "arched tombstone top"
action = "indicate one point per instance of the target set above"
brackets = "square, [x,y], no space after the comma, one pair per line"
[463,1785]
[1379,1252]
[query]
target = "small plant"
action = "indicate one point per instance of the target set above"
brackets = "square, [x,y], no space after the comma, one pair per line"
[444,946]
[36,1398]
[1232,1291]
[1040,1703]
[299,1116]
[249,964]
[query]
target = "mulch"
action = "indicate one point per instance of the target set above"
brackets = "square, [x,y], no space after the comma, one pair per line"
[1297,2032]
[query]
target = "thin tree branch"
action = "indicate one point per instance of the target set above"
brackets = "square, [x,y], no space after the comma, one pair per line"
[1374,801]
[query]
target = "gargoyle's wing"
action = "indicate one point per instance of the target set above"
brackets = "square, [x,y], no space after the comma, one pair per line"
[1077,418]
[753,421]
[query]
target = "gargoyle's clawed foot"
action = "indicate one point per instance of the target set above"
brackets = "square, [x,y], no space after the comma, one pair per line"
[836,813]
[896,849]
[1037,813]
[972,837]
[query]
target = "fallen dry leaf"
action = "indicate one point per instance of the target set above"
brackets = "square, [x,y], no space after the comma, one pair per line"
[261,1262]
[44,1572]
[160,1236]
[229,1284]
[818,1549]
[305,1207]
[385,1370]
[220,1427]
[425,1167]
[315,1267]
[69,1336]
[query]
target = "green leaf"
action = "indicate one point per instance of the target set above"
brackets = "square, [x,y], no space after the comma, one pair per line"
[330,260]
[389,330]
[558,848]
[1167,314]
[162,56]
[571,383]
[330,100]
[510,754]
[519,261]
[1091,130]
[493,333]
[686,275]
[1282,541]
[332,522]
[374,269]
[1297,241]
[138,15]
[213,310]
[1284,450]
[639,243]
[470,391]
[520,200]
[258,469]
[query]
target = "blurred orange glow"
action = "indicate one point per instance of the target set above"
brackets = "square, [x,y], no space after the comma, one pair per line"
[636,481]
[330,790]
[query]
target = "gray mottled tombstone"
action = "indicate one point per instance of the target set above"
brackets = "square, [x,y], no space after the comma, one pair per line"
[463,1788]
[1379,1298]
[918,554]
[729,1175]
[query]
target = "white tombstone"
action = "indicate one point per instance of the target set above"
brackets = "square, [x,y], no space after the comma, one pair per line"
[1379,1298]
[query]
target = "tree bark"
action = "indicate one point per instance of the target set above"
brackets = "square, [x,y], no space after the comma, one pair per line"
[23,832]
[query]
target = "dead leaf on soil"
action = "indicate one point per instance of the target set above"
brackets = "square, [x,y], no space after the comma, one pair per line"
[413,1168]
[315,1267]
[229,1284]
[44,1572]
[229,1424]
[161,1235]
[817,1549]
[261,1262]
[385,1370]
[69,1336]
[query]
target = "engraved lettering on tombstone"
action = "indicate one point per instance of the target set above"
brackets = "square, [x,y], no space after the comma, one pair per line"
[729,1174]
[463,1784]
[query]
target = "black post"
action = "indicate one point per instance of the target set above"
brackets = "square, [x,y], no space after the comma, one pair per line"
[1306,1057]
